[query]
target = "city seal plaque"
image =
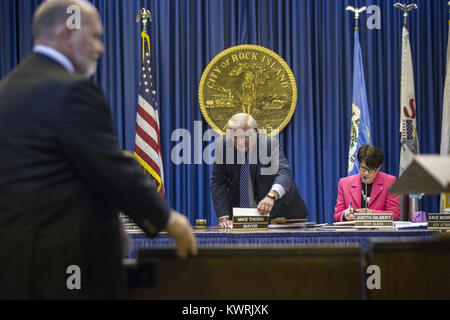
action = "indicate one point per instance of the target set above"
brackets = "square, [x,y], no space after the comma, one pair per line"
[250,79]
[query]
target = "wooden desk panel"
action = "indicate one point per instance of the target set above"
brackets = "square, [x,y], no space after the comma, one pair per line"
[415,270]
[313,272]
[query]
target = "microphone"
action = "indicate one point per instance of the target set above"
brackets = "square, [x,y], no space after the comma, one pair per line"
[365,195]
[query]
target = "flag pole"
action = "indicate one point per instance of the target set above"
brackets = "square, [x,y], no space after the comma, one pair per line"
[405,8]
[409,144]
[356,11]
[445,129]
[360,118]
[144,15]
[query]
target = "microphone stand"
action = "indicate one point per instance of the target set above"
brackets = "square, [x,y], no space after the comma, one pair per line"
[365,195]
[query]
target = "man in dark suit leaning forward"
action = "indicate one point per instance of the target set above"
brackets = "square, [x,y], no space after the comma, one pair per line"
[251,171]
[63,178]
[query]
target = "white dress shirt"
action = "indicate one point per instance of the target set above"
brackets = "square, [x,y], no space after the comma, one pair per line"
[55,55]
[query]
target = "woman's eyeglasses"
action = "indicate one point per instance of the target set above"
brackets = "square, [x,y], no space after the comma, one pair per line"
[365,169]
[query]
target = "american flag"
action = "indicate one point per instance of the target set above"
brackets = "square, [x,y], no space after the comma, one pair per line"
[147,147]
[407,130]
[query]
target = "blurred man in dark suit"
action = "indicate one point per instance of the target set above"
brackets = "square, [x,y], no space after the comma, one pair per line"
[251,171]
[63,179]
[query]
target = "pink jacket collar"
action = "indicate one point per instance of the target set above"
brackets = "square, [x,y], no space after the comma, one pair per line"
[356,186]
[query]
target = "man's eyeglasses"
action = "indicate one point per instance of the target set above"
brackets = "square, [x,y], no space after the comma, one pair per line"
[365,169]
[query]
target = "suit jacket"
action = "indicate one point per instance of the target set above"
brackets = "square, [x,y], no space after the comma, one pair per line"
[381,201]
[63,180]
[225,181]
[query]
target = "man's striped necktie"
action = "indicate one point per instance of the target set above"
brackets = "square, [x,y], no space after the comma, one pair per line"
[245,173]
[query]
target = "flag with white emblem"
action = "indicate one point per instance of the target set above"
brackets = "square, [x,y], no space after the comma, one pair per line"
[360,124]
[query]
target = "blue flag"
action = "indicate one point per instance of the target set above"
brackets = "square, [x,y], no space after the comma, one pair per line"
[360,125]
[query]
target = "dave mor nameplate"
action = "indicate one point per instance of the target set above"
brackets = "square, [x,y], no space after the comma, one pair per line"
[439,221]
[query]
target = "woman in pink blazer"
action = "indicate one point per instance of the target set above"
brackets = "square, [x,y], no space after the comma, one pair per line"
[351,190]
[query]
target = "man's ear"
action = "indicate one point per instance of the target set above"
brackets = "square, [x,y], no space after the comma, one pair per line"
[63,37]
[61,30]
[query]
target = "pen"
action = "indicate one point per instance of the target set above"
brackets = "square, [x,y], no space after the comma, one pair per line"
[348,210]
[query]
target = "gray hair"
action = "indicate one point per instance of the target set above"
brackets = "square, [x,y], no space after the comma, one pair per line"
[241,119]
[53,13]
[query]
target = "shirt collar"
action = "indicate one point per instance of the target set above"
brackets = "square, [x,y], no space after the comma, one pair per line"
[55,55]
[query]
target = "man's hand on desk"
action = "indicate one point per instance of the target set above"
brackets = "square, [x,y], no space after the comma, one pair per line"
[225,223]
[266,204]
[181,231]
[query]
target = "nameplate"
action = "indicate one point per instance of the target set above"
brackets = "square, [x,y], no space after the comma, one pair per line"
[248,226]
[439,221]
[373,220]
[128,225]
[249,219]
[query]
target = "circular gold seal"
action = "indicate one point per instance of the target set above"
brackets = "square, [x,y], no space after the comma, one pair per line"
[250,79]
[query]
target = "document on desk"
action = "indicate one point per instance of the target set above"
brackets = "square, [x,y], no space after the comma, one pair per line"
[409,225]
[338,227]
[239,212]
[296,225]
[344,225]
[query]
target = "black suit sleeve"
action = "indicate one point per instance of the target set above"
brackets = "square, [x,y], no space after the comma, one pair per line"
[219,182]
[284,175]
[219,191]
[87,138]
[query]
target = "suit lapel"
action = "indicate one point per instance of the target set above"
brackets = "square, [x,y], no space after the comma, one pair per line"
[253,170]
[235,168]
[355,191]
[377,187]
[255,167]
